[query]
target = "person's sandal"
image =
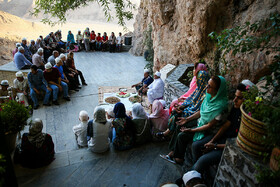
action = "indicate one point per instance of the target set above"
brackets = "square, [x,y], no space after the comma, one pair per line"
[168,158]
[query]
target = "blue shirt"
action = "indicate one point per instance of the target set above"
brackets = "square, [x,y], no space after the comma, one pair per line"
[36,80]
[147,80]
[70,38]
[60,68]
[20,60]
[26,50]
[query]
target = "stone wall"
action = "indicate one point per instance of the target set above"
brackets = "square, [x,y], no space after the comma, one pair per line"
[236,168]
[181,28]
[173,87]
[8,72]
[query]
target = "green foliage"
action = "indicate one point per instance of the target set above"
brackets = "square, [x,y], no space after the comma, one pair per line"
[13,116]
[57,10]
[267,177]
[148,43]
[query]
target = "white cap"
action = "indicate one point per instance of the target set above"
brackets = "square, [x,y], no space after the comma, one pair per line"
[23,39]
[158,74]
[57,60]
[162,102]
[61,56]
[83,115]
[39,39]
[18,44]
[48,65]
[190,175]
[40,50]
[32,41]
[4,83]
[20,48]
[170,185]
[19,74]
[146,71]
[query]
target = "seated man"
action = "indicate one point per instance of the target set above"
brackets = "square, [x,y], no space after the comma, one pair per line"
[27,52]
[80,130]
[119,42]
[32,47]
[112,42]
[36,83]
[79,39]
[53,78]
[4,93]
[72,76]
[37,148]
[21,88]
[52,58]
[156,89]
[16,49]
[141,87]
[98,42]
[104,41]
[20,61]
[38,60]
[213,146]
[92,40]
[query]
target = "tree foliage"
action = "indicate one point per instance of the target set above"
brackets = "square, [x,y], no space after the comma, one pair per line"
[55,11]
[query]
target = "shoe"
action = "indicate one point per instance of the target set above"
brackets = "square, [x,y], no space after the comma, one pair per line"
[36,107]
[168,158]
[159,135]
[55,102]
[78,87]
[66,98]
[47,104]
[85,84]
[76,90]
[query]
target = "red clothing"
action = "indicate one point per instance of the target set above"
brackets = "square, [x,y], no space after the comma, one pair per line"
[98,38]
[104,39]
[70,63]
[15,51]
[92,36]
[53,75]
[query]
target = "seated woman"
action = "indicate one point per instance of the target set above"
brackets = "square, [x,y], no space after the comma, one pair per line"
[191,105]
[159,117]
[197,67]
[141,124]
[70,38]
[123,138]
[71,65]
[211,117]
[37,148]
[100,127]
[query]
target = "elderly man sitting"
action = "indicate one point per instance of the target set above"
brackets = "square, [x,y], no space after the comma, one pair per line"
[142,86]
[53,78]
[156,89]
[20,61]
[52,58]
[32,47]
[37,59]
[21,88]
[4,93]
[27,52]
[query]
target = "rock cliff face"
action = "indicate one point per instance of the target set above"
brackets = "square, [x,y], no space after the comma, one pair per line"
[181,28]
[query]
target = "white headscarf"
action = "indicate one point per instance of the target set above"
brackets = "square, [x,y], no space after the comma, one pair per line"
[138,111]
[99,115]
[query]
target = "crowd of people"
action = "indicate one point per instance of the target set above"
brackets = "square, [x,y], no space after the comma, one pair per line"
[199,122]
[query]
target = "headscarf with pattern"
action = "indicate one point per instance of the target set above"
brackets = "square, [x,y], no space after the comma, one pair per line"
[35,135]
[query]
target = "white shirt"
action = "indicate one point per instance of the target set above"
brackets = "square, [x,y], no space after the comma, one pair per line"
[81,132]
[100,141]
[21,85]
[119,40]
[156,88]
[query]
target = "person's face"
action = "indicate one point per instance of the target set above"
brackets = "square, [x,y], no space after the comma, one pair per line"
[211,88]
[41,54]
[71,55]
[20,79]
[112,34]
[33,43]
[63,59]
[55,55]
[120,34]
[33,71]
[24,42]
[194,72]
[4,88]
[238,100]
[49,70]
[146,75]
[22,51]
[70,32]
[79,32]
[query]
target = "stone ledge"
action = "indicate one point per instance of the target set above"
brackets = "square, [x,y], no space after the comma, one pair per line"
[11,67]
[8,71]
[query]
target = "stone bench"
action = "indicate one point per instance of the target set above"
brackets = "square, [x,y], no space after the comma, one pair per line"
[8,72]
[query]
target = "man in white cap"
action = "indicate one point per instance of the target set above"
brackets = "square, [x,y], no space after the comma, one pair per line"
[53,78]
[32,47]
[86,37]
[156,89]
[27,52]
[141,87]
[192,179]
[21,88]
[79,39]
[37,59]
[4,91]
[16,49]
[20,61]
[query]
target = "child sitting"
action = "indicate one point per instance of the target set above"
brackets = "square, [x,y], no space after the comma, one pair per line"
[80,130]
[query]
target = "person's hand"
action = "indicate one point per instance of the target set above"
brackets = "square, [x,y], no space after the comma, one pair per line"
[49,88]
[60,88]
[209,145]
[181,100]
[144,90]
[37,92]
[181,121]
[133,86]
[185,129]
[71,75]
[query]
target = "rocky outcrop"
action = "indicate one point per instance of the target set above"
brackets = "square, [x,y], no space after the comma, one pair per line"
[181,28]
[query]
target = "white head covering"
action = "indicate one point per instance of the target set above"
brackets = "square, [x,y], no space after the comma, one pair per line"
[18,44]
[162,102]
[57,60]
[61,56]
[40,50]
[99,114]
[39,39]
[158,74]
[4,83]
[32,41]
[19,74]
[146,71]
[83,115]
[248,83]
[110,112]
[23,39]
[20,48]
[170,185]
[190,175]
[48,65]
[138,111]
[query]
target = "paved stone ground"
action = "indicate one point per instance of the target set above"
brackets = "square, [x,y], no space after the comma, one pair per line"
[140,166]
